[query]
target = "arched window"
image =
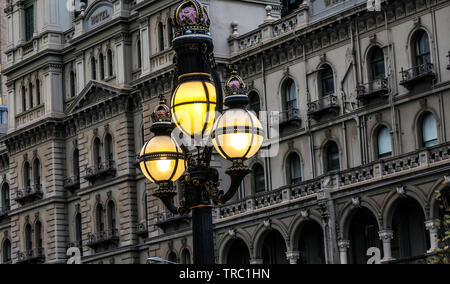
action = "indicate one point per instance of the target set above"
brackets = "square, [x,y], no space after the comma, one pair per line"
[109,147]
[429,131]
[26,174]
[78,228]
[161,36]
[290,95]
[258,178]
[422,53]
[38,234]
[170,31]
[38,92]
[326,81]
[377,68]
[110,63]
[7,251]
[97,151]
[294,169]
[93,69]
[28,237]
[30,94]
[6,197]
[76,162]
[102,66]
[186,256]
[172,257]
[111,215]
[139,53]
[100,218]
[37,172]
[24,99]
[384,144]
[255,104]
[332,157]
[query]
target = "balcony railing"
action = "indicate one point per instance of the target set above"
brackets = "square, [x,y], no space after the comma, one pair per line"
[373,89]
[291,115]
[72,182]
[417,74]
[350,178]
[29,194]
[101,170]
[36,255]
[167,218]
[103,238]
[4,211]
[327,104]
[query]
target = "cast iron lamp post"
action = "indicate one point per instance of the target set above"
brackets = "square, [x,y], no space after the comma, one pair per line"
[197,111]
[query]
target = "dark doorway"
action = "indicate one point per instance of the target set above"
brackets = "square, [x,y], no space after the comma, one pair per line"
[311,244]
[238,253]
[363,234]
[274,249]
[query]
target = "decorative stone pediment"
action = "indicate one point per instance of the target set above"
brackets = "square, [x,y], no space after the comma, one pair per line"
[94,93]
[98,14]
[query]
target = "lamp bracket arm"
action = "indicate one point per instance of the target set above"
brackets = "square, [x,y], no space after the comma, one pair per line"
[237,173]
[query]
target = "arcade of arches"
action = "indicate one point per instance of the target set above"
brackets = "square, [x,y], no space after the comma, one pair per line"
[406,234]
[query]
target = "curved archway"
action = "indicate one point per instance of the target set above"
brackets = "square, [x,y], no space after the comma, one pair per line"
[363,234]
[186,256]
[408,224]
[311,243]
[273,249]
[172,257]
[237,252]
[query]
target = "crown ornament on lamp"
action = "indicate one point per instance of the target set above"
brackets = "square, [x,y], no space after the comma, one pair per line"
[191,17]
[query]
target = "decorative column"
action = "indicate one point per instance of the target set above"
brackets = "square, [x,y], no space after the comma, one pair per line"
[386,236]
[256,261]
[343,248]
[145,45]
[432,227]
[292,256]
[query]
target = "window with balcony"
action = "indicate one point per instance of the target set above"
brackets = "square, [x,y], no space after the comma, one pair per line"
[255,103]
[422,53]
[290,95]
[161,36]
[101,61]
[29,19]
[294,169]
[288,6]
[6,200]
[384,144]
[38,234]
[110,63]
[109,154]
[332,162]
[26,174]
[377,67]
[100,218]
[429,131]
[97,151]
[37,172]
[28,237]
[111,215]
[78,232]
[259,183]
[326,79]
[7,252]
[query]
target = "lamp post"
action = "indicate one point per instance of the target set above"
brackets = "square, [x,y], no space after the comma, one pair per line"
[196,110]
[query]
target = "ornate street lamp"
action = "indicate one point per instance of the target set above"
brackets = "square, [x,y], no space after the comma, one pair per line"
[236,133]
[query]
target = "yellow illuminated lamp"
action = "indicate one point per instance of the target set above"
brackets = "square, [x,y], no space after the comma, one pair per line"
[238,133]
[193,104]
[161,160]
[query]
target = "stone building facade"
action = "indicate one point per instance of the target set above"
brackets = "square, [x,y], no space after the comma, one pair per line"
[353,100]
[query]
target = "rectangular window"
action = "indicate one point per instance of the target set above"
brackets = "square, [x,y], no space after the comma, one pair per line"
[29,20]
